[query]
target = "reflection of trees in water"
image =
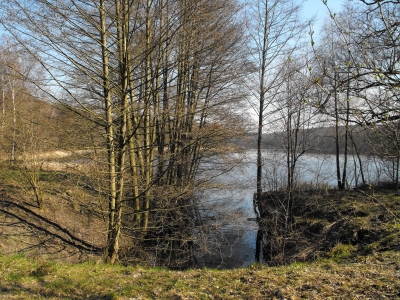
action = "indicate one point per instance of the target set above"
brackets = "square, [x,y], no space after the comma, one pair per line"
[227,236]
[224,239]
[315,171]
[227,203]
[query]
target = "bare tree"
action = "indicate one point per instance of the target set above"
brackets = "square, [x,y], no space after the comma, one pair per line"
[293,121]
[159,81]
[358,82]
[274,30]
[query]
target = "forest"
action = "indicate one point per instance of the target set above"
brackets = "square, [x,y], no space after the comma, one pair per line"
[116,116]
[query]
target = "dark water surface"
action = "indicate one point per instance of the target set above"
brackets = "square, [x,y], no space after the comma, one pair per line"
[229,206]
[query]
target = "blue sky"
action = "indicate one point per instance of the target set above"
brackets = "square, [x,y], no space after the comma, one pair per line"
[316,7]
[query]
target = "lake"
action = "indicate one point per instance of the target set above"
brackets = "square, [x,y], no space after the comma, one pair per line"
[228,205]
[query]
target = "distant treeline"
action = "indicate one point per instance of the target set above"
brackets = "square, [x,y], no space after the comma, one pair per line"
[321,140]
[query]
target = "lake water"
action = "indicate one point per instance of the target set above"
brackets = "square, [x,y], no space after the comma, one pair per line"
[228,205]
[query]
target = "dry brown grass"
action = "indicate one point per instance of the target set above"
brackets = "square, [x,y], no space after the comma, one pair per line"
[26,228]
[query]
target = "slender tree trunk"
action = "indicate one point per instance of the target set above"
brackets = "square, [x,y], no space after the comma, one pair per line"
[289,161]
[261,110]
[397,170]
[337,136]
[3,102]
[113,230]
[148,139]
[262,93]
[14,136]
[347,129]
[359,159]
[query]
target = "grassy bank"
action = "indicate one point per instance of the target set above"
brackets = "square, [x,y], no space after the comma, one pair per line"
[349,240]
[352,223]
[372,277]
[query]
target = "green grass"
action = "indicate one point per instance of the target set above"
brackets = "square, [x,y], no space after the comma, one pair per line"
[342,251]
[375,277]
[352,268]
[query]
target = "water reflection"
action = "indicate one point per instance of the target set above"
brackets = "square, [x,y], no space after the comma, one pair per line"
[228,206]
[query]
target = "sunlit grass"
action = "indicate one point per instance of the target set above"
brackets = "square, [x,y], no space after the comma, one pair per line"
[373,277]
[346,271]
